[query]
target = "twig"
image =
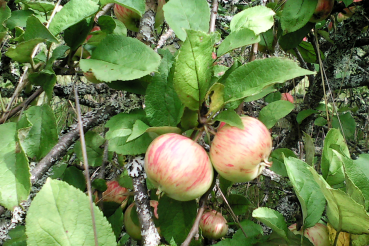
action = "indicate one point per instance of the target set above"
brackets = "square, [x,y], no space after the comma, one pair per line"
[90,119]
[147,23]
[150,235]
[213,16]
[85,163]
[164,38]
[230,210]
[103,11]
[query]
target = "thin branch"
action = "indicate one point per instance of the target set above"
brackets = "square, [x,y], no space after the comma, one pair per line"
[104,10]
[90,119]
[150,235]
[147,23]
[213,16]
[164,38]
[85,163]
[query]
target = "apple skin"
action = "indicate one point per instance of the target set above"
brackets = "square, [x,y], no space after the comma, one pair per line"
[179,167]
[132,229]
[129,18]
[287,97]
[213,225]
[241,155]
[322,10]
[317,235]
[114,192]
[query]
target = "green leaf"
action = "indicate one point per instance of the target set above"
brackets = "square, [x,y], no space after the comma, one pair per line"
[120,28]
[320,121]
[134,147]
[356,175]
[35,29]
[72,13]
[224,184]
[296,14]
[94,149]
[23,51]
[216,94]
[137,6]
[308,192]
[107,24]
[14,170]
[121,58]
[163,107]
[193,69]
[187,14]
[362,163]
[231,118]
[309,149]
[76,34]
[42,6]
[304,114]
[18,18]
[348,125]
[116,222]
[18,237]
[5,13]
[159,130]
[125,180]
[137,86]
[237,39]
[238,203]
[58,52]
[75,177]
[60,215]
[39,134]
[331,165]
[293,39]
[278,157]
[46,79]
[307,52]
[138,129]
[273,219]
[176,218]
[99,184]
[190,119]
[258,19]
[272,97]
[274,111]
[251,78]
[343,212]
[262,94]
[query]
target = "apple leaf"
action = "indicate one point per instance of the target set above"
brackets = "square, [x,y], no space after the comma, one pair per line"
[262,94]
[343,212]
[362,163]
[308,192]
[116,222]
[94,149]
[258,19]
[309,149]
[231,118]
[176,218]
[356,175]
[75,35]
[293,39]
[23,51]
[75,177]
[18,18]
[137,6]
[274,111]
[278,157]
[348,125]
[216,94]
[273,219]
[39,133]
[35,29]
[121,58]
[331,165]
[41,6]
[5,13]
[239,203]
[304,114]
[251,78]
[193,69]
[46,79]
[236,39]
[307,52]
[163,107]
[72,13]
[138,129]
[61,213]
[187,14]
[164,129]
[296,14]
[14,170]
[18,237]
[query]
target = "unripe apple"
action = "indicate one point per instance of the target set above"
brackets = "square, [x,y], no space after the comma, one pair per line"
[241,155]
[287,97]
[131,228]
[322,10]
[178,166]
[213,225]
[317,235]
[114,193]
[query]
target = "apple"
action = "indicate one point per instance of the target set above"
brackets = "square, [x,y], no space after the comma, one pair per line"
[132,20]
[213,225]
[317,235]
[241,155]
[114,193]
[322,10]
[287,97]
[179,167]
[131,228]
